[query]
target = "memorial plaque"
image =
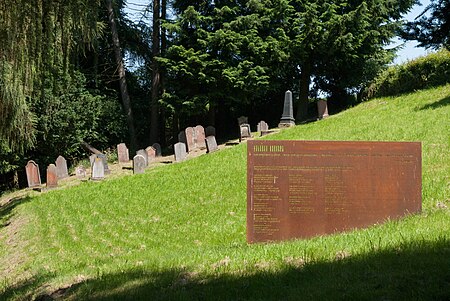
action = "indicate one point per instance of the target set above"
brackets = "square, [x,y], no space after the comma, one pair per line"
[300,189]
[52,176]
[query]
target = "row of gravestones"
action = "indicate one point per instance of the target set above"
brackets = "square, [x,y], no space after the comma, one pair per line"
[195,138]
[55,172]
[245,131]
[142,158]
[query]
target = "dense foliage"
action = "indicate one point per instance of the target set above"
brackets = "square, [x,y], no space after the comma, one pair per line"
[432,28]
[425,72]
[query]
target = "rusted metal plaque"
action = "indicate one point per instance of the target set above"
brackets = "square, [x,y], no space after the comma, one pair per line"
[300,189]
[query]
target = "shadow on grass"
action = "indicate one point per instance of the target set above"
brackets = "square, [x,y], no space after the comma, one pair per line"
[437,104]
[416,271]
[7,209]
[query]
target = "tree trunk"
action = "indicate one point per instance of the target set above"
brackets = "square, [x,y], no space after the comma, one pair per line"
[156,78]
[305,80]
[122,81]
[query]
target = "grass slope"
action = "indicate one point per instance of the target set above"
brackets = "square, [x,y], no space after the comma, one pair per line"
[177,232]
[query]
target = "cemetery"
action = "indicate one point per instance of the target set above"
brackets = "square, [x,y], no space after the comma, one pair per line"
[197,211]
[224,150]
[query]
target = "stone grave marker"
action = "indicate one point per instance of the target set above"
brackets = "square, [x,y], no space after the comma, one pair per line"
[262,126]
[80,172]
[61,168]
[151,153]
[92,158]
[139,164]
[210,131]
[301,189]
[322,109]
[245,131]
[190,139]
[144,154]
[123,153]
[33,175]
[52,176]
[98,169]
[105,163]
[287,119]
[200,137]
[180,151]
[157,147]
[211,144]
[182,137]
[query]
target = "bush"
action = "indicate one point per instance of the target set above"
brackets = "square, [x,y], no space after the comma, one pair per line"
[425,72]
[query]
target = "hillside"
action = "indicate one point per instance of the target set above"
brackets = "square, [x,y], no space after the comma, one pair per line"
[177,232]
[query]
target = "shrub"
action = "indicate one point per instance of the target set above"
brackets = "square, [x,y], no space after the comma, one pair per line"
[424,72]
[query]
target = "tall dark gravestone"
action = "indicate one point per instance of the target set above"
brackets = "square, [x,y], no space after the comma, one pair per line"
[287,119]
[300,189]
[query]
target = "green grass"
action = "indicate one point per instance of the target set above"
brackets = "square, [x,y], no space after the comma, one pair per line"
[177,232]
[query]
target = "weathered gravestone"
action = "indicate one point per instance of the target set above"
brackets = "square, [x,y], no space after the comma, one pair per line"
[190,139]
[262,126]
[33,175]
[98,169]
[151,153]
[52,176]
[182,137]
[92,158]
[180,151]
[200,137]
[80,172]
[144,154]
[210,131]
[123,153]
[322,109]
[157,147]
[300,189]
[139,164]
[61,168]
[287,119]
[105,163]
[244,128]
[211,144]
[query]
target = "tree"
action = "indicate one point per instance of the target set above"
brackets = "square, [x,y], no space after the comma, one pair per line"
[432,31]
[156,76]
[122,80]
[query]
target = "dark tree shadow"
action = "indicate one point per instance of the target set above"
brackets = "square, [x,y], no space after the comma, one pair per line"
[414,271]
[6,210]
[437,104]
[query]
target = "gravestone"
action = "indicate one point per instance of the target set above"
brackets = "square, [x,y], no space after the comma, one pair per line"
[211,144]
[262,126]
[105,163]
[92,158]
[123,153]
[33,175]
[190,139]
[80,172]
[182,137]
[300,189]
[151,153]
[322,109]
[52,176]
[180,151]
[210,131]
[139,164]
[200,137]
[61,168]
[98,169]
[157,147]
[245,131]
[144,154]
[287,119]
